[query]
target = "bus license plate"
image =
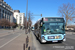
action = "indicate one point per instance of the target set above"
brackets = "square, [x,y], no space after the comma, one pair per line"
[55,41]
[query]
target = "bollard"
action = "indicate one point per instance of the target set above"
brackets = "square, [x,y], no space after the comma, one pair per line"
[26,45]
[29,48]
[27,39]
[23,46]
[27,42]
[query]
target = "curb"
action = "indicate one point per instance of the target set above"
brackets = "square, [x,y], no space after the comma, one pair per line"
[28,43]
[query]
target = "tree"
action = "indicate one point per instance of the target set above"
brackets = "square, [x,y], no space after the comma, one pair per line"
[30,19]
[12,24]
[67,11]
[19,24]
[26,23]
[4,22]
[16,25]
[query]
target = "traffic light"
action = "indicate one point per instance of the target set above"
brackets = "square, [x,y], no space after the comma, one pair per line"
[41,15]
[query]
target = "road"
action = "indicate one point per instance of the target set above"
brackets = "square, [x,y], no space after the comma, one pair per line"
[8,40]
[15,40]
[69,44]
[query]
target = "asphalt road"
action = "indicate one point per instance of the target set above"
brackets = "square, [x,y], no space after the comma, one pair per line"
[69,44]
[6,38]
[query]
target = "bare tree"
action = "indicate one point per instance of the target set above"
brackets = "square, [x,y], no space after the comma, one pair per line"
[30,18]
[12,24]
[67,11]
[4,22]
[26,26]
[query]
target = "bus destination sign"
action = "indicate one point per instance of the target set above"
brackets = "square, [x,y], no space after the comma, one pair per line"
[53,20]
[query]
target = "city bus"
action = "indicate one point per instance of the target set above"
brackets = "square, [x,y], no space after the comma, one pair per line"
[50,29]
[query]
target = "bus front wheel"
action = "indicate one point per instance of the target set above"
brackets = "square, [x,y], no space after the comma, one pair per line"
[60,41]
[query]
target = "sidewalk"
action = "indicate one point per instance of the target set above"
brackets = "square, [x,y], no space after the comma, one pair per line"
[30,40]
[18,43]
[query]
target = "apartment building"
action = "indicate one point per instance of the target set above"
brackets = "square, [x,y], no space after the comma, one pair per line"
[19,18]
[6,11]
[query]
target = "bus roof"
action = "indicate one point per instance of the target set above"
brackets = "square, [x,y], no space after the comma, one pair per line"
[47,17]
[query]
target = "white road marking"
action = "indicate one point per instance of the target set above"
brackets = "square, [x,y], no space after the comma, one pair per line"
[9,41]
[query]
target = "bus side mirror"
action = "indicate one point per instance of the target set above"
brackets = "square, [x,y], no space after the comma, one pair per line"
[41,24]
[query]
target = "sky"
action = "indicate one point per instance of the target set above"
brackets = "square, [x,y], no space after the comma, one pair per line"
[48,8]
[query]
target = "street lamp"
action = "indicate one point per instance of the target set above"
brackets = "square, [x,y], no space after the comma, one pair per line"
[41,15]
[36,15]
[26,16]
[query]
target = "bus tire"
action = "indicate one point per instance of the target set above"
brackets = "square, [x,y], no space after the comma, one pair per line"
[60,41]
[36,38]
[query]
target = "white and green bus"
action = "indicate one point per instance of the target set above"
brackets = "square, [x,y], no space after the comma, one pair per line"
[50,29]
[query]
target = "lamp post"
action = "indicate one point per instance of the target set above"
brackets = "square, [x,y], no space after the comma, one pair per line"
[26,15]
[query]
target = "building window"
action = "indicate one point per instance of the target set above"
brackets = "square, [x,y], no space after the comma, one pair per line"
[20,20]
[3,14]
[9,17]
[16,16]
[0,13]
[0,3]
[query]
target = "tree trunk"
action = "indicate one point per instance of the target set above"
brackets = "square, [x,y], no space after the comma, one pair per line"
[66,23]
[11,27]
[4,27]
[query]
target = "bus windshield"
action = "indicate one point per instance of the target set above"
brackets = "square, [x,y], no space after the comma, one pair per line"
[53,28]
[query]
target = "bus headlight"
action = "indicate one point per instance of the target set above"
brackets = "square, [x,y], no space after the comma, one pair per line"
[60,37]
[43,39]
[64,39]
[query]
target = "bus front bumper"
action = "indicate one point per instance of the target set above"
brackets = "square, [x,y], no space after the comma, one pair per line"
[44,41]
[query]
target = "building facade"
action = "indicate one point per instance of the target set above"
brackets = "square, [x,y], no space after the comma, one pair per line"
[6,11]
[19,18]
